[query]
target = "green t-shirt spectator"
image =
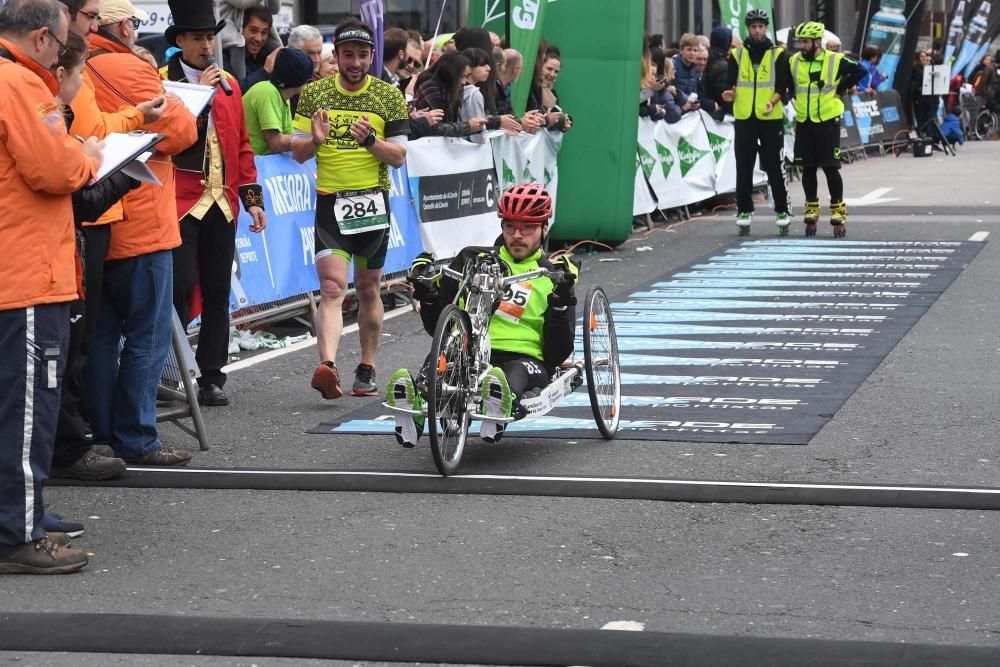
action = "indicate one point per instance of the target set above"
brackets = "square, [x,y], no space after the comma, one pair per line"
[265,108]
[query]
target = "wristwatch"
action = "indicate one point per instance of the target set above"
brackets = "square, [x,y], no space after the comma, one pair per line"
[369,141]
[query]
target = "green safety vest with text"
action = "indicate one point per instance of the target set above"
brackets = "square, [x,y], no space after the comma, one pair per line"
[814,102]
[755,89]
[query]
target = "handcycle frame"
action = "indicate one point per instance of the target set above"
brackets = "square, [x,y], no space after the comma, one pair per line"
[460,359]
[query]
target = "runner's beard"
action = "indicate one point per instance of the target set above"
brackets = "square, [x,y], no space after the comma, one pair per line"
[353,77]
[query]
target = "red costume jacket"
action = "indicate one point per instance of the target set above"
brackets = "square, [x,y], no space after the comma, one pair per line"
[239,170]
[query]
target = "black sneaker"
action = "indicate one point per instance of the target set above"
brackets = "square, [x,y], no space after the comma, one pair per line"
[91,466]
[364,381]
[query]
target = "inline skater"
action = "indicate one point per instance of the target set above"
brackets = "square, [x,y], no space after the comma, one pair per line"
[820,78]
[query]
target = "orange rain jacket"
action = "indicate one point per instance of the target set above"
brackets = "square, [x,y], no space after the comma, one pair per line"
[40,167]
[90,121]
[150,221]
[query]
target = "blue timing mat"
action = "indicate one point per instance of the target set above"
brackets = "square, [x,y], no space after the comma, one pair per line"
[761,343]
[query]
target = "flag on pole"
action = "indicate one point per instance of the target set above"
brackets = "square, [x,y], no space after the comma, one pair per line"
[525,19]
[373,16]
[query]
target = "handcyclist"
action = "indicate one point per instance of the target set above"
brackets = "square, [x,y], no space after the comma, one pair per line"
[758,78]
[820,78]
[532,331]
[356,126]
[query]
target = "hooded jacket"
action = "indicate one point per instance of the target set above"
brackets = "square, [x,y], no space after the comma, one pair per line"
[714,78]
[149,222]
[41,166]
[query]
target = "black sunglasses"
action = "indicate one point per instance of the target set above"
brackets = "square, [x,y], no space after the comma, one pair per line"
[136,23]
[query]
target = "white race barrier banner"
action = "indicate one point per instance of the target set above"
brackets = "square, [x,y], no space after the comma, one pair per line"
[454,187]
[528,158]
[642,201]
[685,162]
[720,137]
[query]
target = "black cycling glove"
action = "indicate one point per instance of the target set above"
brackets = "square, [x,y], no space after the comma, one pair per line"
[424,288]
[562,295]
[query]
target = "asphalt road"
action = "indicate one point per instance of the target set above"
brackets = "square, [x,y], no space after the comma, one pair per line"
[928,415]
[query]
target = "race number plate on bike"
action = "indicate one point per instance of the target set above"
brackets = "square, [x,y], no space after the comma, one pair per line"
[515,299]
[363,211]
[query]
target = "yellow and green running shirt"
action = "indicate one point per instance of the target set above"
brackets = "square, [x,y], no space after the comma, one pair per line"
[342,165]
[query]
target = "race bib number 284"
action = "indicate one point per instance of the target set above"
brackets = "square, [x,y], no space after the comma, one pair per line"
[358,212]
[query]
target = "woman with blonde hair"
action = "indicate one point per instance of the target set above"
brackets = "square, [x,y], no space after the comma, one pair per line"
[328,61]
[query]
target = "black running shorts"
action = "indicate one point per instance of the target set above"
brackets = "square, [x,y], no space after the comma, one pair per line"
[818,144]
[367,249]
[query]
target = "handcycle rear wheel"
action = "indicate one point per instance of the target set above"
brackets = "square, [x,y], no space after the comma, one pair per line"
[449,388]
[600,356]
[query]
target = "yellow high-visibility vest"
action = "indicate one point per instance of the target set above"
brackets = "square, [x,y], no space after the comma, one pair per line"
[755,89]
[814,102]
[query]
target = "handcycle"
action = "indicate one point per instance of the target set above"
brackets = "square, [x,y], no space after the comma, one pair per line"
[460,358]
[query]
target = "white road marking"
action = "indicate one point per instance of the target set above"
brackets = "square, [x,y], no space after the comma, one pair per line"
[272,354]
[979,236]
[876,196]
[634,626]
[621,480]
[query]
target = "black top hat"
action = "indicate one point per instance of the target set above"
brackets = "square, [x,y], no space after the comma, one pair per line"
[191,16]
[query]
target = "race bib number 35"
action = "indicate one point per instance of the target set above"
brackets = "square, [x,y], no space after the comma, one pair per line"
[357,212]
[515,299]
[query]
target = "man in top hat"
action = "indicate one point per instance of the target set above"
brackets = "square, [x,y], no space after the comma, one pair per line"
[214,176]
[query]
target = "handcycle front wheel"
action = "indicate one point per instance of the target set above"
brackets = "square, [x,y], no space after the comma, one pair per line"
[600,357]
[449,388]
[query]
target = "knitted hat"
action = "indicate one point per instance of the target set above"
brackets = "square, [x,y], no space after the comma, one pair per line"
[292,68]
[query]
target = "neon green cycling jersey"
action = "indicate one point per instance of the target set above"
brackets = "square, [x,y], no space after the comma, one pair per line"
[517,324]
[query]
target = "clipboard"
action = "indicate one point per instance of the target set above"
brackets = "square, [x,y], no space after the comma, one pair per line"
[121,151]
[194,96]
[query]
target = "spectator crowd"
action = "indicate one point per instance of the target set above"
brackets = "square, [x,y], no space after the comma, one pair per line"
[96,269]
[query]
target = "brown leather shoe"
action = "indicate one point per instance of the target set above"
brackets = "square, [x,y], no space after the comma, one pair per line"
[164,456]
[91,466]
[43,557]
[326,381]
[60,539]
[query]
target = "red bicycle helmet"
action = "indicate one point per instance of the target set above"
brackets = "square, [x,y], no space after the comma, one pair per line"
[527,203]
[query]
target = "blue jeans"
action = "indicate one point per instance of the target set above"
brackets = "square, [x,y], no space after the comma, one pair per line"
[131,341]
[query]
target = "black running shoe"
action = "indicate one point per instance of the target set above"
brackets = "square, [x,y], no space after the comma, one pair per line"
[364,381]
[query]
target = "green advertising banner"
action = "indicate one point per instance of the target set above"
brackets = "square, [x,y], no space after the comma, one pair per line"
[525,22]
[489,14]
[734,12]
